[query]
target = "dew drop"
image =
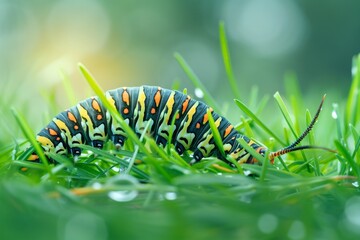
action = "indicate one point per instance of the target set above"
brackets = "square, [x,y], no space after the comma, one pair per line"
[199,93]
[247,172]
[354,70]
[334,114]
[170,196]
[125,182]
[96,185]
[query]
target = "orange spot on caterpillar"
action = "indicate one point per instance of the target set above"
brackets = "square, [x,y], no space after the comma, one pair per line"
[153,111]
[71,117]
[76,127]
[126,97]
[197,125]
[52,132]
[185,104]
[157,97]
[126,111]
[228,130]
[95,105]
[206,118]
[99,117]
[33,157]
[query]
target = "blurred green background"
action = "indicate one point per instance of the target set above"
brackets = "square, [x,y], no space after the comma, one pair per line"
[132,42]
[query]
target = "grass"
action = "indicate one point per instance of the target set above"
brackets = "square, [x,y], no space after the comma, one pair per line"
[146,192]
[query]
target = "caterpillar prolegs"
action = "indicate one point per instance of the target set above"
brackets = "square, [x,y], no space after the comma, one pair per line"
[90,123]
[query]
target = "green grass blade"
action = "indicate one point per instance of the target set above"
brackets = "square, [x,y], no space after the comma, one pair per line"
[311,137]
[136,149]
[28,133]
[227,61]
[352,110]
[285,113]
[197,83]
[69,90]
[294,94]
[215,132]
[171,132]
[347,156]
[253,116]
[115,159]
[356,137]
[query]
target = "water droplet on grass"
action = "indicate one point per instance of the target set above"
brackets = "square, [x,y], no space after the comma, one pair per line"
[170,195]
[334,114]
[96,185]
[199,93]
[128,183]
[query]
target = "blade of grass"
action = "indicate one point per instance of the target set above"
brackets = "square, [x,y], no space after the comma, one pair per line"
[285,113]
[311,136]
[253,116]
[70,94]
[171,132]
[294,94]
[227,61]
[352,112]
[215,132]
[136,150]
[196,81]
[356,137]
[28,133]
[347,156]
[115,159]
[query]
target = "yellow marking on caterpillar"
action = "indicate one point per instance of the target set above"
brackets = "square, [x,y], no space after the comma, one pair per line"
[46,143]
[116,126]
[184,131]
[140,112]
[63,127]
[164,122]
[94,132]
[204,146]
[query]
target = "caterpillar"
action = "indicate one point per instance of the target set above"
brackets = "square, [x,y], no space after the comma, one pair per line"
[90,123]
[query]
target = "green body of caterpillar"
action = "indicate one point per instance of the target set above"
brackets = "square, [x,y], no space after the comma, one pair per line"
[89,123]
